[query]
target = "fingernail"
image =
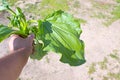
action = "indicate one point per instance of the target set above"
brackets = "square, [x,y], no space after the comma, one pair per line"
[31,36]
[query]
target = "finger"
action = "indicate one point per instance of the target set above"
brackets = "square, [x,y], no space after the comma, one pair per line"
[14,35]
[31,37]
[33,50]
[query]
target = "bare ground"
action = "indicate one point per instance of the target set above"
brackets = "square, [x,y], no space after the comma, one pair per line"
[100,42]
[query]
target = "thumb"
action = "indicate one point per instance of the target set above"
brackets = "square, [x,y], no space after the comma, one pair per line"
[31,37]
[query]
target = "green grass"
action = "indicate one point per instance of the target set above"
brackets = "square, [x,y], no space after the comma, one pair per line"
[46,7]
[116,12]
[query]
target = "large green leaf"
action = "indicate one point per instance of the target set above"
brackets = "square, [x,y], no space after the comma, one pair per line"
[4,32]
[60,33]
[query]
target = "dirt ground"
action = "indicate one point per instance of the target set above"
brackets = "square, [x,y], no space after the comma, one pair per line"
[102,50]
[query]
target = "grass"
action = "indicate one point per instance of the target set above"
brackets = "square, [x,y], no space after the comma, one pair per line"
[103,64]
[100,5]
[12,2]
[114,76]
[83,21]
[118,1]
[46,7]
[115,15]
[92,68]
[99,15]
[112,15]
[76,4]
[116,12]
[47,59]
[109,21]
[111,75]
[115,55]
[105,78]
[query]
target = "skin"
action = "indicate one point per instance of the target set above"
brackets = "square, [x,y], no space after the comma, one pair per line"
[12,64]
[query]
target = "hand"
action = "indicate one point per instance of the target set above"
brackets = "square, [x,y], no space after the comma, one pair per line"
[16,42]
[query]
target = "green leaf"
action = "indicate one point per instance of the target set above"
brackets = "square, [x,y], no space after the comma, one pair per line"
[60,33]
[2,8]
[38,52]
[5,32]
[18,21]
[4,5]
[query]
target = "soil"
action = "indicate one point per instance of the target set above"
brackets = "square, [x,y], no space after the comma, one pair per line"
[100,42]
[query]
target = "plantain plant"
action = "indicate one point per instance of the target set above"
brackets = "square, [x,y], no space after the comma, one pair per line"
[58,32]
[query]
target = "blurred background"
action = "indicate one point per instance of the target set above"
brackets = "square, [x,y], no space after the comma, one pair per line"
[100,22]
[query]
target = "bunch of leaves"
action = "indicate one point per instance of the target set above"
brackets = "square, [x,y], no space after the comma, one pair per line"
[58,32]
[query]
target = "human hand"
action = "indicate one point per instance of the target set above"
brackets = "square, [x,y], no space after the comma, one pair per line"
[16,42]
